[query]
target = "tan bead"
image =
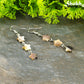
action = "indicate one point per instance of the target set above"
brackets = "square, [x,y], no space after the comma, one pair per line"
[33,56]
[57,43]
[45,38]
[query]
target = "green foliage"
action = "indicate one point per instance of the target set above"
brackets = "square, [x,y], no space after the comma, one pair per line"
[23,5]
[50,10]
[33,8]
[73,12]
[8,8]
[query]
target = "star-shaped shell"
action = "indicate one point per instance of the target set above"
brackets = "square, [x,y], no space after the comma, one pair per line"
[68,49]
[33,56]
[27,47]
[58,43]
[20,39]
[45,37]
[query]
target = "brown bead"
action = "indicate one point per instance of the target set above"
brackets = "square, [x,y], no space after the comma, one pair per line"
[57,43]
[45,37]
[33,56]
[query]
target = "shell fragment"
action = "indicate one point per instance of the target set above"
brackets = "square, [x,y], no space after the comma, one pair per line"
[20,38]
[27,47]
[68,49]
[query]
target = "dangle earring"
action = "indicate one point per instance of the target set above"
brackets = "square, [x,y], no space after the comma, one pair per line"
[26,47]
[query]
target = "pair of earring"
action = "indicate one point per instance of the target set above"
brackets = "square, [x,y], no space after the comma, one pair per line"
[27,47]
